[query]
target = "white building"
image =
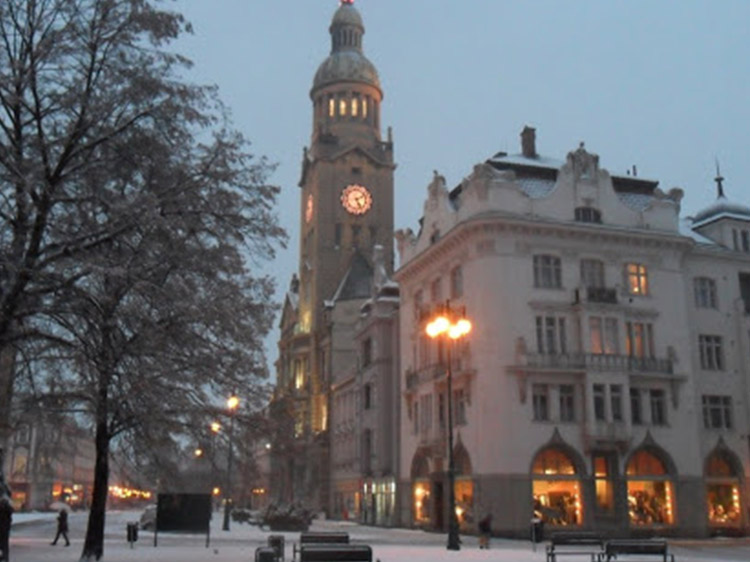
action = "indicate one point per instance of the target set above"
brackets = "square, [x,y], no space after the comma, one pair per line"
[592,392]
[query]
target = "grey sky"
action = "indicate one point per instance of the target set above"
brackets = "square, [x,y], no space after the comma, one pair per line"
[663,85]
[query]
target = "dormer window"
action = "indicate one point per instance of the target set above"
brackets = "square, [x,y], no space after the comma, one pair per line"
[588,214]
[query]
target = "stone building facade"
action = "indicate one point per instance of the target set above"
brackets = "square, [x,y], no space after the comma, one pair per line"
[605,383]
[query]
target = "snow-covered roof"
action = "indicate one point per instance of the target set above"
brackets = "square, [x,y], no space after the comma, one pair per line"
[521,160]
[721,208]
[686,229]
[636,201]
[536,188]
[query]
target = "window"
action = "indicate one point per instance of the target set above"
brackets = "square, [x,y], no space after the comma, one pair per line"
[717,412]
[342,107]
[457,282]
[367,396]
[459,406]
[599,414]
[712,358]
[744,279]
[364,108]
[637,279]
[588,214]
[615,399]
[650,491]
[658,407]
[337,234]
[704,290]
[550,335]
[603,483]
[540,402]
[547,272]
[745,241]
[367,352]
[604,339]
[436,290]
[331,107]
[556,488]
[639,340]
[355,107]
[636,408]
[23,434]
[567,403]
[592,274]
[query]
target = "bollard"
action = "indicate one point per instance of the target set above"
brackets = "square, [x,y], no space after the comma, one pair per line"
[132,532]
[277,543]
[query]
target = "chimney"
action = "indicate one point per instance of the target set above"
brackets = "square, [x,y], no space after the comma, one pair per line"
[528,142]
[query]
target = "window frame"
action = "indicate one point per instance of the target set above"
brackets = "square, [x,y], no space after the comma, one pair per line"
[547,271]
[704,293]
[636,279]
[711,352]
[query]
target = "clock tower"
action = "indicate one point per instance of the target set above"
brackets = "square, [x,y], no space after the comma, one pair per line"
[346,210]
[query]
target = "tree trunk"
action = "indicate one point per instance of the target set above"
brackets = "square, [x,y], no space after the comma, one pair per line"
[93,547]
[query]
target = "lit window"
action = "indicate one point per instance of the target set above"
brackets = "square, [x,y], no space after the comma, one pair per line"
[603,484]
[639,339]
[331,107]
[547,272]
[704,290]
[650,494]
[355,107]
[556,489]
[342,107]
[717,412]
[364,108]
[711,354]
[637,279]
[722,492]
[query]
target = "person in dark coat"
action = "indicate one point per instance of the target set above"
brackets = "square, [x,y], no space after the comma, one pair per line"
[62,527]
[485,530]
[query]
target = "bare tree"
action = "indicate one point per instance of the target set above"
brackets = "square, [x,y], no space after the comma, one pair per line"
[131,219]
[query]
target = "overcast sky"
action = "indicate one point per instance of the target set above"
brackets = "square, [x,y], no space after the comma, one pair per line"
[663,85]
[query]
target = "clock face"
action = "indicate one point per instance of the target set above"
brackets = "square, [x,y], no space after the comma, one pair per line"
[356,199]
[309,208]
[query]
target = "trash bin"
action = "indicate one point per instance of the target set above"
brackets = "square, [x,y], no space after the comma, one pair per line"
[132,531]
[277,543]
[265,554]
[537,530]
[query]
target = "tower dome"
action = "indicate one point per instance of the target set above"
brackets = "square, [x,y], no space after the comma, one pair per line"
[722,207]
[347,62]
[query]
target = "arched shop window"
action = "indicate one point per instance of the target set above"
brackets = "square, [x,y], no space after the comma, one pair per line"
[464,487]
[421,501]
[556,488]
[722,491]
[650,490]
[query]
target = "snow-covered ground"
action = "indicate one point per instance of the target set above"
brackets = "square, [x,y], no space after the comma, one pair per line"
[32,533]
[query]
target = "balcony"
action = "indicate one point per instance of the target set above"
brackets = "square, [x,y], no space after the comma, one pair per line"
[607,435]
[599,362]
[597,294]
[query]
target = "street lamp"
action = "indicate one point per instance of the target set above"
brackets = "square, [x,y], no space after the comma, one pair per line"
[232,404]
[450,325]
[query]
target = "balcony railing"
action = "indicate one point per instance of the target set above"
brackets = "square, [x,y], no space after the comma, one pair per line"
[597,294]
[599,362]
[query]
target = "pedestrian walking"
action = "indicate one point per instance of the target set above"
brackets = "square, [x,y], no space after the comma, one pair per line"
[485,530]
[62,527]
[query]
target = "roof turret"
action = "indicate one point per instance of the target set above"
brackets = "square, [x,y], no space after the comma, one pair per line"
[722,207]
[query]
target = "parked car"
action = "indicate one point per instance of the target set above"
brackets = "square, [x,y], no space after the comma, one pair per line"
[148,518]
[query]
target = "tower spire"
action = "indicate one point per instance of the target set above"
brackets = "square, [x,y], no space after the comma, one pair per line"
[719,179]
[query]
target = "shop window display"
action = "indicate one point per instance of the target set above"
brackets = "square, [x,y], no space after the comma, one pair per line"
[722,493]
[556,489]
[650,491]
[464,502]
[421,503]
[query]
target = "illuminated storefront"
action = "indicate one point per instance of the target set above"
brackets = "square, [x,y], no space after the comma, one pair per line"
[650,491]
[722,492]
[379,501]
[556,489]
[422,503]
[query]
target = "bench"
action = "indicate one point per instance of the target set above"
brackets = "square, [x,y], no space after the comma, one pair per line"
[575,544]
[335,553]
[321,537]
[642,548]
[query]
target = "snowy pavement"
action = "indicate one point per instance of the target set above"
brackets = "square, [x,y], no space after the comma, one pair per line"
[32,533]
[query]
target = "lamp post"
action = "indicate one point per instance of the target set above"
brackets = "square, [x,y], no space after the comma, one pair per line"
[449,325]
[232,404]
